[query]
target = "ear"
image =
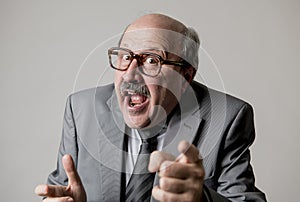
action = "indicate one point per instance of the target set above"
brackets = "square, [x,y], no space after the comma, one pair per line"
[188,74]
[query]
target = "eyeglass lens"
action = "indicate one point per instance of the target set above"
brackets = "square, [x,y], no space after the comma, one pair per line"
[148,63]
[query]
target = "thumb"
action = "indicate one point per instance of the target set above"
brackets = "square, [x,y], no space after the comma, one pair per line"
[70,169]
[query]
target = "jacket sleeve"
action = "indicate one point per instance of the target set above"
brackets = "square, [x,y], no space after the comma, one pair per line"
[68,145]
[235,181]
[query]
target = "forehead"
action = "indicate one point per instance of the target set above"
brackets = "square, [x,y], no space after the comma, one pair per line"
[153,39]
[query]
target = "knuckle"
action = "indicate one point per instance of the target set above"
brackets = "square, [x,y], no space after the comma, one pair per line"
[156,159]
[189,196]
[194,192]
[155,153]
[46,189]
[195,188]
[164,184]
[164,196]
[158,156]
[64,199]
[67,189]
[169,197]
[165,168]
[199,172]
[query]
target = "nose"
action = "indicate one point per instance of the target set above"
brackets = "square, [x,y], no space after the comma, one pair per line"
[132,74]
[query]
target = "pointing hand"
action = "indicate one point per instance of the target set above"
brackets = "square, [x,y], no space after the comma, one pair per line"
[74,192]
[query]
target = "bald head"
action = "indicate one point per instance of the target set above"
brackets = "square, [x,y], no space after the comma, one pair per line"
[162,32]
[158,21]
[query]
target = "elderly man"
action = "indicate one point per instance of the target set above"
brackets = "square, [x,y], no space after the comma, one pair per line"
[155,134]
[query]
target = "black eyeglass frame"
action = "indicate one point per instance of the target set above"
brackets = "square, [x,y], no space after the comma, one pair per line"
[138,58]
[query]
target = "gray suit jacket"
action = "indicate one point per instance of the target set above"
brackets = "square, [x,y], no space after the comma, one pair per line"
[220,125]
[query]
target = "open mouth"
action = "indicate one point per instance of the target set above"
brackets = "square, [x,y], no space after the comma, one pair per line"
[136,102]
[136,96]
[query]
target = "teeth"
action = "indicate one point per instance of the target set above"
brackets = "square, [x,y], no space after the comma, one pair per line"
[131,104]
[130,92]
[144,92]
[136,100]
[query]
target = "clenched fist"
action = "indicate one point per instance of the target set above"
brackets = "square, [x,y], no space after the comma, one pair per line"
[181,178]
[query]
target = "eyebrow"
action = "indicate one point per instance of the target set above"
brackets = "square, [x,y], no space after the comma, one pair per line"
[162,53]
[158,51]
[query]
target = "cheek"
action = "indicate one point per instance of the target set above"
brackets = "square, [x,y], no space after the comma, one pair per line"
[165,90]
[117,83]
[171,93]
[117,76]
[158,93]
[172,80]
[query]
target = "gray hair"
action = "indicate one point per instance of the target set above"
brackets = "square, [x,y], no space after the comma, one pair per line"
[191,44]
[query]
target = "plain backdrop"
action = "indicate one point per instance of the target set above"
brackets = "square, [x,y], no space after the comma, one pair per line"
[250,50]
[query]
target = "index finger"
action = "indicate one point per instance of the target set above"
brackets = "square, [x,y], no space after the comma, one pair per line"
[157,158]
[71,171]
[189,153]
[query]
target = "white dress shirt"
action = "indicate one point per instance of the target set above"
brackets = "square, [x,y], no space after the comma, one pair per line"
[134,143]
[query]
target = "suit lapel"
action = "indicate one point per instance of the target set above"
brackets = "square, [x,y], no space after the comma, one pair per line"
[181,129]
[111,150]
[183,125]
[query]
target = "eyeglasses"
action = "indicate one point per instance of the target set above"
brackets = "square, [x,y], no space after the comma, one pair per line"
[149,64]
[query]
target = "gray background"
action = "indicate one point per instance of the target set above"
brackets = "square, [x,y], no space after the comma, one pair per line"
[254,45]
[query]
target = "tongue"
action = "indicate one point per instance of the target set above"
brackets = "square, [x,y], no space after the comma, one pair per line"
[137,99]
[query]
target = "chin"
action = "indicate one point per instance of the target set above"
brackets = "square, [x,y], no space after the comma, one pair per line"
[136,116]
[136,122]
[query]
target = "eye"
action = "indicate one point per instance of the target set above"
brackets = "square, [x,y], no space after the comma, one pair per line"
[151,60]
[126,57]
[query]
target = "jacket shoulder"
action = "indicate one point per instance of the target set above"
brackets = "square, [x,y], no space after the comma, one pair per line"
[211,98]
[87,98]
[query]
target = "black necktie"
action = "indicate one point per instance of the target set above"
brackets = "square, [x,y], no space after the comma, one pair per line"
[140,185]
